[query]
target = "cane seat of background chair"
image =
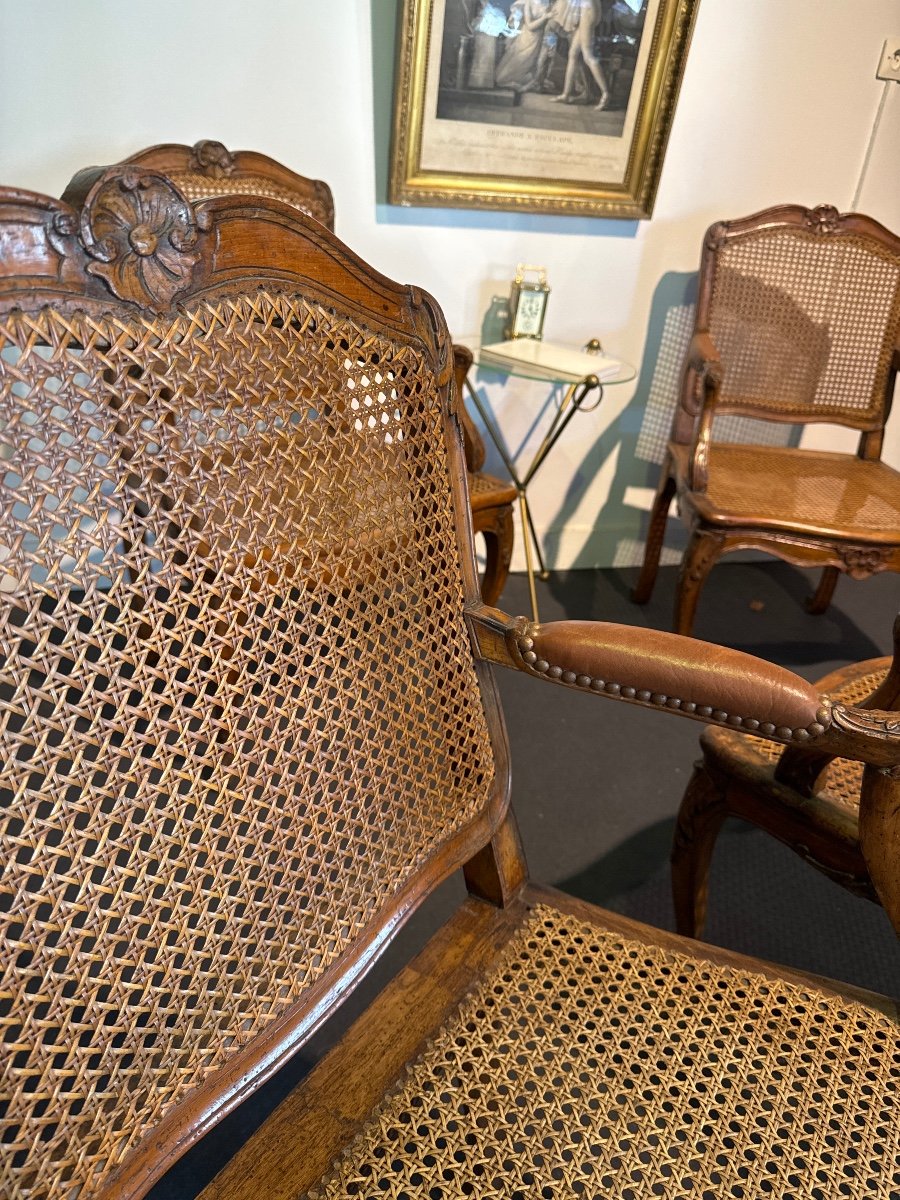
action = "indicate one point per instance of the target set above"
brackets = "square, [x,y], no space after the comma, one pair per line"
[492,499]
[246,730]
[809,804]
[209,169]
[798,321]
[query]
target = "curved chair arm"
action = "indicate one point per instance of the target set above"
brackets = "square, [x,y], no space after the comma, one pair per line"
[703,357]
[704,361]
[695,679]
[721,687]
[702,378]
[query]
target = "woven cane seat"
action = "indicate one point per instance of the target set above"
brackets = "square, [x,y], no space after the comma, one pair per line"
[589,1064]
[486,491]
[803,490]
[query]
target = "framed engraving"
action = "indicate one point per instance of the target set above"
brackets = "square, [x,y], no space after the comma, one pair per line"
[554,106]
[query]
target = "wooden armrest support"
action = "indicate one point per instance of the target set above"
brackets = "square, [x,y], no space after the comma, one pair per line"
[703,357]
[695,679]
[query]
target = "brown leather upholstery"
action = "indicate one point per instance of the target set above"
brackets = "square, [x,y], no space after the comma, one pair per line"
[668,671]
[798,320]
[248,723]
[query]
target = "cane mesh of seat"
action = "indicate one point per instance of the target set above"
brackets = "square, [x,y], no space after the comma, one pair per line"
[804,490]
[217,692]
[588,1064]
[489,490]
[794,343]
[840,782]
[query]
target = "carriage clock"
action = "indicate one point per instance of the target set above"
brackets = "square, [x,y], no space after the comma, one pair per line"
[528,303]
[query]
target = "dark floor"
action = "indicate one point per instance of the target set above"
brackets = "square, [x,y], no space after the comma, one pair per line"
[596,785]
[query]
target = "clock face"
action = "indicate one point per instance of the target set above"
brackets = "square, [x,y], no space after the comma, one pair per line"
[529,313]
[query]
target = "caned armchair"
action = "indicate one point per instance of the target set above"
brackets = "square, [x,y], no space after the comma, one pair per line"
[249,722]
[808,800]
[208,169]
[798,321]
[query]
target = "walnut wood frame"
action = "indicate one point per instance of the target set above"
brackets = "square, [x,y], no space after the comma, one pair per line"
[208,169]
[155,254]
[685,470]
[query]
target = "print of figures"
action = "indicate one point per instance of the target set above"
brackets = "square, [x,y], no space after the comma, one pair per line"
[542,64]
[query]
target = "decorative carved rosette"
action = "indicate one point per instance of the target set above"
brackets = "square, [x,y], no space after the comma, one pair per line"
[141,233]
[212,159]
[823,219]
[716,236]
[861,561]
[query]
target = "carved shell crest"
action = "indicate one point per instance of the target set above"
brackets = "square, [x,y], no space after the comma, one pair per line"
[142,235]
[824,219]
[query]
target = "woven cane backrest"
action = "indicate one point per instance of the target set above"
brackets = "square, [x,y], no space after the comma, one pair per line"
[208,169]
[805,315]
[239,716]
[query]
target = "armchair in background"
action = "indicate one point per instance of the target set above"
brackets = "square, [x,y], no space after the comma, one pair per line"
[808,800]
[798,320]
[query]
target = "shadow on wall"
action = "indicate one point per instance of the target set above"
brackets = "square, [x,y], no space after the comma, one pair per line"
[639,436]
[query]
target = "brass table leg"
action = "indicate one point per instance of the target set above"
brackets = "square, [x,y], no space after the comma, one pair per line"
[572,402]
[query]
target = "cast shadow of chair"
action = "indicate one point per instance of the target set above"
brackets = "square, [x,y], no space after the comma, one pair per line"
[639,436]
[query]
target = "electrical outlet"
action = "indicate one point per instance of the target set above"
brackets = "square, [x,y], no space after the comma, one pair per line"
[889,67]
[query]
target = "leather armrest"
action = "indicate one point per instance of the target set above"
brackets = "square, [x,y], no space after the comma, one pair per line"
[688,677]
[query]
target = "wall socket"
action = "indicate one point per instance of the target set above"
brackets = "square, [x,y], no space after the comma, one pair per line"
[889,67]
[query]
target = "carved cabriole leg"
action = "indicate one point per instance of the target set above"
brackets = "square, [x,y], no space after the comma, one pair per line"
[498,541]
[700,817]
[656,530]
[818,602]
[879,834]
[702,551]
[497,872]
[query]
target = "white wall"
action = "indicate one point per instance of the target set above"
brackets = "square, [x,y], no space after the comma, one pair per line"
[777,104]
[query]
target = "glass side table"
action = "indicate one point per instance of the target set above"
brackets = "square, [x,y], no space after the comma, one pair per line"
[582,394]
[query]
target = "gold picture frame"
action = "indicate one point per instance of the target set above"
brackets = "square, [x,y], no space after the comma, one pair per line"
[480,121]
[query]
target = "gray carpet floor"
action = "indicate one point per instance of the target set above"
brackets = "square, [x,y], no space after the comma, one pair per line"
[596,786]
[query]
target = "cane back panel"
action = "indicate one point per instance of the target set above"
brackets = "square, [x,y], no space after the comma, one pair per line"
[238,713]
[805,317]
[208,169]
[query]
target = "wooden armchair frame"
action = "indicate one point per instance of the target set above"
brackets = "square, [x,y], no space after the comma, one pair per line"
[248,728]
[767,345]
[808,801]
[208,169]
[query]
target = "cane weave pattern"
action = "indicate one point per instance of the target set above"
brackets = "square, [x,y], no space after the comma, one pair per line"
[590,1065]
[805,324]
[842,779]
[227,564]
[198,187]
[488,489]
[807,488]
